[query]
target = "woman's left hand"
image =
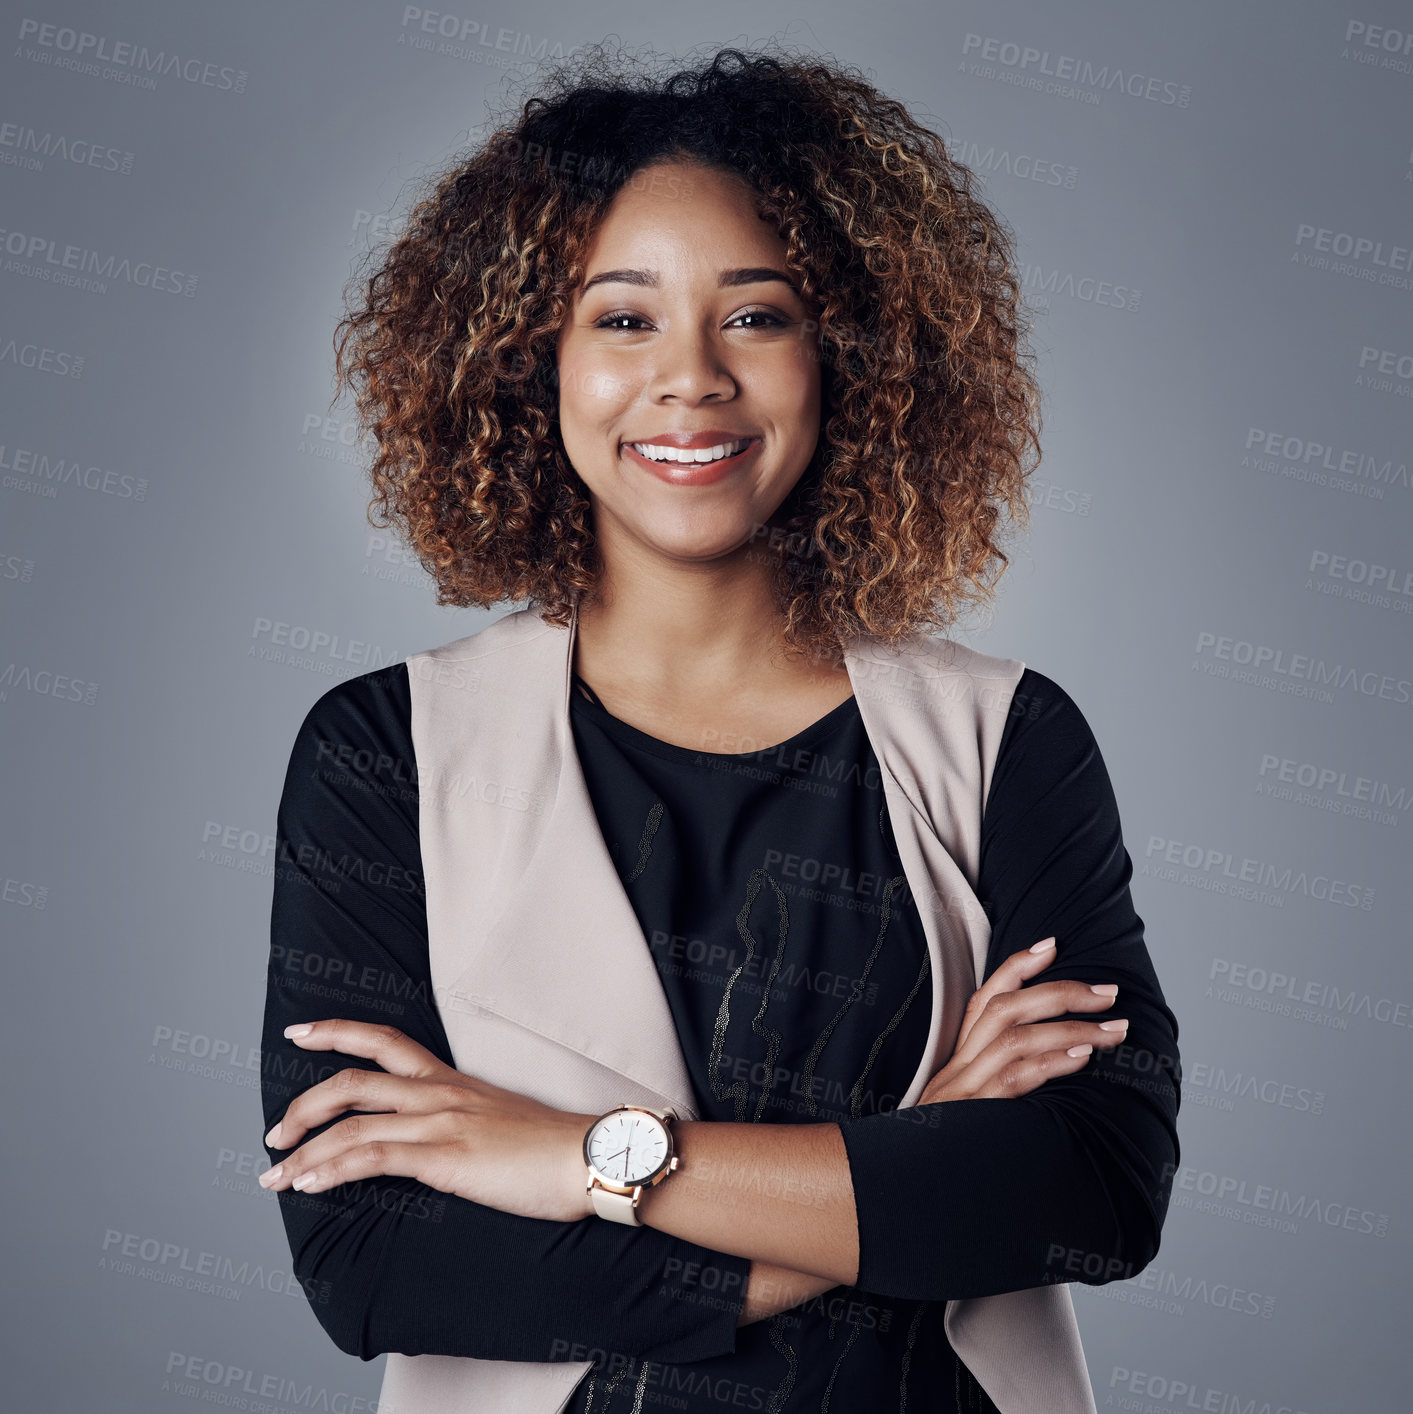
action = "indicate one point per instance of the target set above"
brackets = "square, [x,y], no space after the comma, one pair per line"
[431,1123]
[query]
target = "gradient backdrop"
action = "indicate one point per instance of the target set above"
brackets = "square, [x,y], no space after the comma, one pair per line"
[1214,210]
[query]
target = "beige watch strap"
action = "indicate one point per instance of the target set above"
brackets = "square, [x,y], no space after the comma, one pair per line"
[616,1207]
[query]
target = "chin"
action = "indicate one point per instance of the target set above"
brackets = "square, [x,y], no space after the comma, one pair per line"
[698,544]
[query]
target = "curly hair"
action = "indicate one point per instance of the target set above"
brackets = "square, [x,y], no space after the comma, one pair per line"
[930,413]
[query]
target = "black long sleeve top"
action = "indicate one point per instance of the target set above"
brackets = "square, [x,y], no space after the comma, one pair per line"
[959,1199]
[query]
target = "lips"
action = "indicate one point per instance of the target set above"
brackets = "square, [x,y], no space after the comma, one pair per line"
[694,441]
[677,473]
[690,455]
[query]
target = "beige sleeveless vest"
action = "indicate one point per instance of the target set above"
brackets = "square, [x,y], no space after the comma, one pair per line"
[534,942]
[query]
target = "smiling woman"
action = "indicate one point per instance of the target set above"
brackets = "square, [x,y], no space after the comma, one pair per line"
[739,1043]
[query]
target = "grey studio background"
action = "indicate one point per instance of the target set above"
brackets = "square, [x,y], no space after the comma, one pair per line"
[1214,209]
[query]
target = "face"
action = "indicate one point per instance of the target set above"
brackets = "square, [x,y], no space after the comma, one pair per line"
[687,336]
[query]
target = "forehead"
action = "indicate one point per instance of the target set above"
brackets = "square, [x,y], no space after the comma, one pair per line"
[680,219]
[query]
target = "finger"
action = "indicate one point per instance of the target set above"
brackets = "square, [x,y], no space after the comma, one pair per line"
[1013,1051]
[374,1158]
[1009,976]
[1031,1004]
[1022,1077]
[321,1155]
[1019,967]
[350,1089]
[394,1050]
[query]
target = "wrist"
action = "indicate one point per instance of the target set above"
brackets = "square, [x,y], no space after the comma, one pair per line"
[651,1197]
[576,1127]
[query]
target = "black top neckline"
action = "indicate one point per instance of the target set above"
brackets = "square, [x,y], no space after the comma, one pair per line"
[806,738]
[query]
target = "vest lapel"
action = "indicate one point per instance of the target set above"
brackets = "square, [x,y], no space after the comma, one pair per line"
[935,746]
[557,948]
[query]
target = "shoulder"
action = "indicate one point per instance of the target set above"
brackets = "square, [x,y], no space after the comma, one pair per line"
[370,710]
[353,753]
[938,685]
[511,630]
[1041,706]
[359,735]
[1047,745]
[926,656]
[348,816]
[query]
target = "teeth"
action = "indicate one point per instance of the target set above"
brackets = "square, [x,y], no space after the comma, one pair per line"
[676,454]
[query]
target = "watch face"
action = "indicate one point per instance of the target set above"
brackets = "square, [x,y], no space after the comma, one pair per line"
[627,1146]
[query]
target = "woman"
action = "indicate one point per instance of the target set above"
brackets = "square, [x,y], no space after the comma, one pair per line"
[722,373]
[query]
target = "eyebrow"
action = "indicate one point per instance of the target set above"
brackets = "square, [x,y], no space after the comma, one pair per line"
[749,275]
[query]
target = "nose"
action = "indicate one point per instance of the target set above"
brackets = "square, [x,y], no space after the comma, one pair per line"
[692,365]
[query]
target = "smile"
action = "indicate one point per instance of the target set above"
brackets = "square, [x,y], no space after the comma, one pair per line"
[699,466]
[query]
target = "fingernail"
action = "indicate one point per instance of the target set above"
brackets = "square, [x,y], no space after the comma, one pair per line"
[294,1032]
[1083,1050]
[1042,945]
[304,1180]
[1113,1025]
[1106,989]
[270,1176]
[272,1138]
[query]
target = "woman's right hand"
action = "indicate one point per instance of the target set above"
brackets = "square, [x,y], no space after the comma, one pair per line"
[1006,1049]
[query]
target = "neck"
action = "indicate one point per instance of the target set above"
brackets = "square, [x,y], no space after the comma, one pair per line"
[682,631]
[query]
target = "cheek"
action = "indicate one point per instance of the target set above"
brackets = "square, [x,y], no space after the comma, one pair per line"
[590,388]
[807,368]
[788,373]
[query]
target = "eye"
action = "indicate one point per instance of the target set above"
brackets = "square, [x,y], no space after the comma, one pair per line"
[772,320]
[616,319]
[608,320]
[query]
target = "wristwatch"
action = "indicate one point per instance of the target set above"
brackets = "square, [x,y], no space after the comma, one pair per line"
[627,1150]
